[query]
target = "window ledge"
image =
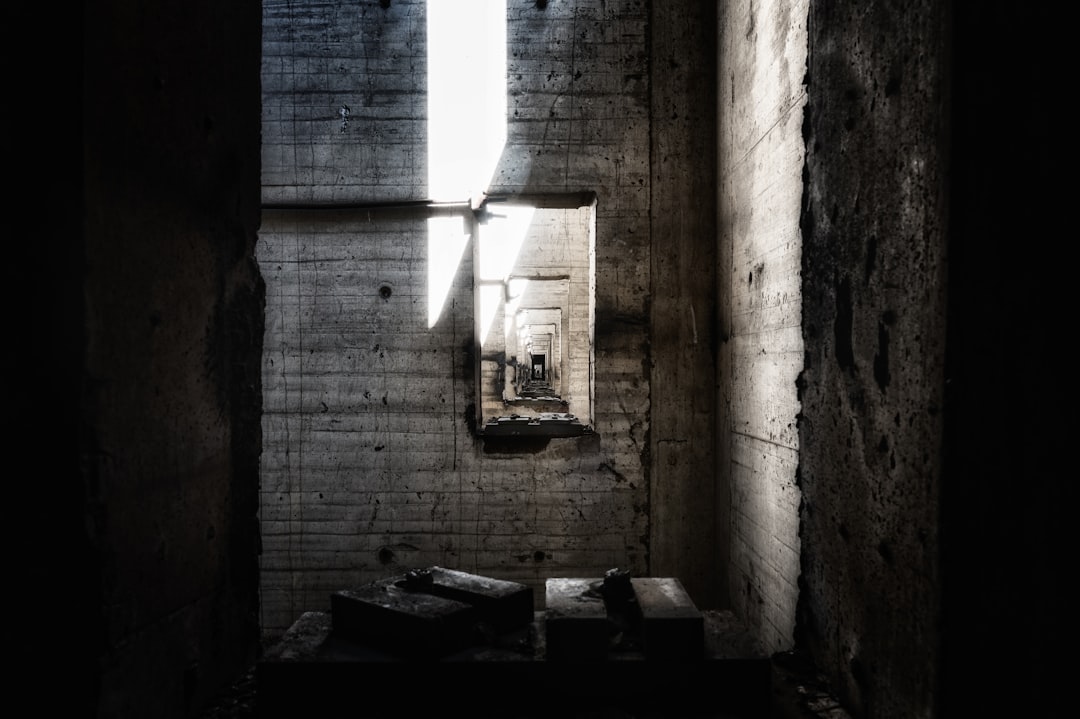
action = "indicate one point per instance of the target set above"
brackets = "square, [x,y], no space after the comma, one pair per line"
[548,424]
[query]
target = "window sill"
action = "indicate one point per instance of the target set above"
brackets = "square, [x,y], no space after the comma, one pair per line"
[548,424]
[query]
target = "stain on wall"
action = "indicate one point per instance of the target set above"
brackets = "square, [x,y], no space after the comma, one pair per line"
[873,282]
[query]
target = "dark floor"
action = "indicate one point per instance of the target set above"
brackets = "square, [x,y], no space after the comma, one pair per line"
[797,693]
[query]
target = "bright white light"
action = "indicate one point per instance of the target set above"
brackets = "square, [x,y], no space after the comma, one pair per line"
[490,302]
[501,239]
[515,290]
[447,240]
[466,122]
[500,242]
[466,95]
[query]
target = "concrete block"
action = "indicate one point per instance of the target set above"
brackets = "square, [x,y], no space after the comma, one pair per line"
[576,621]
[672,628]
[401,621]
[502,604]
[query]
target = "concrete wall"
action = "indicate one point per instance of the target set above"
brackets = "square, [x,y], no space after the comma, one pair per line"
[762,63]
[874,290]
[166,306]
[688,541]
[135,360]
[371,464]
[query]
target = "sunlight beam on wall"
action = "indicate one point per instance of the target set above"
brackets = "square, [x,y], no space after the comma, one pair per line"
[500,243]
[447,240]
[466,119]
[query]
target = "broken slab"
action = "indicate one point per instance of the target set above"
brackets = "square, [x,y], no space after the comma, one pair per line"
[403,621]
[303,641]
[576,621]
[504,605]
[672,628]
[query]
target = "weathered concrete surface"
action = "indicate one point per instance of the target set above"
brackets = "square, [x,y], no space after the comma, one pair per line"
[402,622]
[762,59]
[172,307]
[371,465]
[682,521]
[874,289]
[162,213]
[576,624]
[672,627]
[503,604]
